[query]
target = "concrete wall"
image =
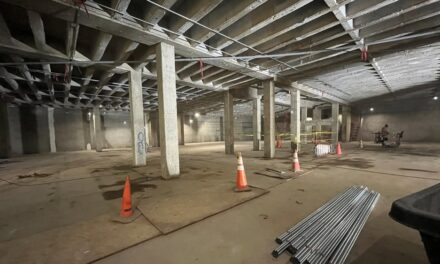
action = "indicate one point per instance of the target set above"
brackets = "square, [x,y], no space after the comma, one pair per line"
[69,130]
[116,129]
[29,131]
[418,117]
[209,128]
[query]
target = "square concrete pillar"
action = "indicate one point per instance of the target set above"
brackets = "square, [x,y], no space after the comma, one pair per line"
[166,85]
[303,123]
[229,123]
[317,119]
[295,118]
[269,119]
[335,123]
[346,123]
[51,125]
[181,125]
[137,118]
[5,149]
[99,137]
[147,130]
[257,123]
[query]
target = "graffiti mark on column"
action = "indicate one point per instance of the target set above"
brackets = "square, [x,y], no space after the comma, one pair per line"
[140,143]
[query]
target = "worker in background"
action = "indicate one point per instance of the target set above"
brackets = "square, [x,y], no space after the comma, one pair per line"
[384,133]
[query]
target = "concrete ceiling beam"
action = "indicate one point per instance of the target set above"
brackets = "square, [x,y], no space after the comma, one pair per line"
[135,32]
[13,84]
[300,17]
[154,14]
[194,10]
[260,17]
[226,14]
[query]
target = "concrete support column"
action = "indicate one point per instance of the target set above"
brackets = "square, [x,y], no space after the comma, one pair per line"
[166,85]
[335,123]
[99,138]
[137,118]
[346,123]
[269,119]
[181,124]
[257,123]
[147,130]
[303,122]
[295,120]
[229,123]
[51,125]
[5,150]
[317,118]
[90,118]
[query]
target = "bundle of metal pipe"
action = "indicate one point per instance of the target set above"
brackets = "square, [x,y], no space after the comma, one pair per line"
[328,234]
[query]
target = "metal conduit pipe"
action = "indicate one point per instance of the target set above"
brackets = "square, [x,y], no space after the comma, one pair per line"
[304,246]
[323,212]
[320,210]
[336,214]
[344,249]
[302,234]
[312,230]
[330,246]
[326,232]
[288,237]
[326,244]
[323,253]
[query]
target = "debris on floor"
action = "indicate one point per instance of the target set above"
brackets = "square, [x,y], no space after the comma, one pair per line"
[273,173]
[34,175]
[328,234]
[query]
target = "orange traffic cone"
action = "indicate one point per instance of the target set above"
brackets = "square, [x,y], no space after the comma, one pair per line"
[241,182]
[338,149]
[295,162]
[126,210]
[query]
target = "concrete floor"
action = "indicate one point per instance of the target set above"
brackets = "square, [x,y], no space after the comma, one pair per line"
[63,213]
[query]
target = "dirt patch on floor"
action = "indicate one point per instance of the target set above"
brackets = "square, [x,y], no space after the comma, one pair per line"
[35,175]
[137,185]
[8,161]
[420,170]
[359,163]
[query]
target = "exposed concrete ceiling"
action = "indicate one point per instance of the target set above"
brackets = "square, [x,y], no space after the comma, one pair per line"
[312,45]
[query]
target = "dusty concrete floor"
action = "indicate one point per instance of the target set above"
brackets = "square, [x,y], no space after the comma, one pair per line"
[62,214]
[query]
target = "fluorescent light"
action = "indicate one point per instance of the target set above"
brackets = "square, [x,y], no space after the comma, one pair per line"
[435,97]
[197,115]
[371,109]
[191,121]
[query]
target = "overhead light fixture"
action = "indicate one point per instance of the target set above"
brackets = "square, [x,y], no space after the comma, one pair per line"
[125,122]
[101,106]
[435,97]
[371,109]
[197,115]
[191,121]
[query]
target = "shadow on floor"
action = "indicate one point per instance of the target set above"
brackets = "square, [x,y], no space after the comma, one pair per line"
[391,249]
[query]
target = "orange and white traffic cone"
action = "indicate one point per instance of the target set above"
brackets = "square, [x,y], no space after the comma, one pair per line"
[295,162]
[241,182]
[338,149]
[126,210]
[127,214]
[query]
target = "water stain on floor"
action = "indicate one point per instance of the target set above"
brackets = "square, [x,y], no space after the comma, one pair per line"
[137,185]
[420,170]
[359,163]
[8,161]
[35,175]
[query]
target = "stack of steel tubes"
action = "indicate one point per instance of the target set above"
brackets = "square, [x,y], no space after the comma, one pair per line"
[328,234]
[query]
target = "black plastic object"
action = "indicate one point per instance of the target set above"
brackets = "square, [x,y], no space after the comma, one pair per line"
[421,211]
